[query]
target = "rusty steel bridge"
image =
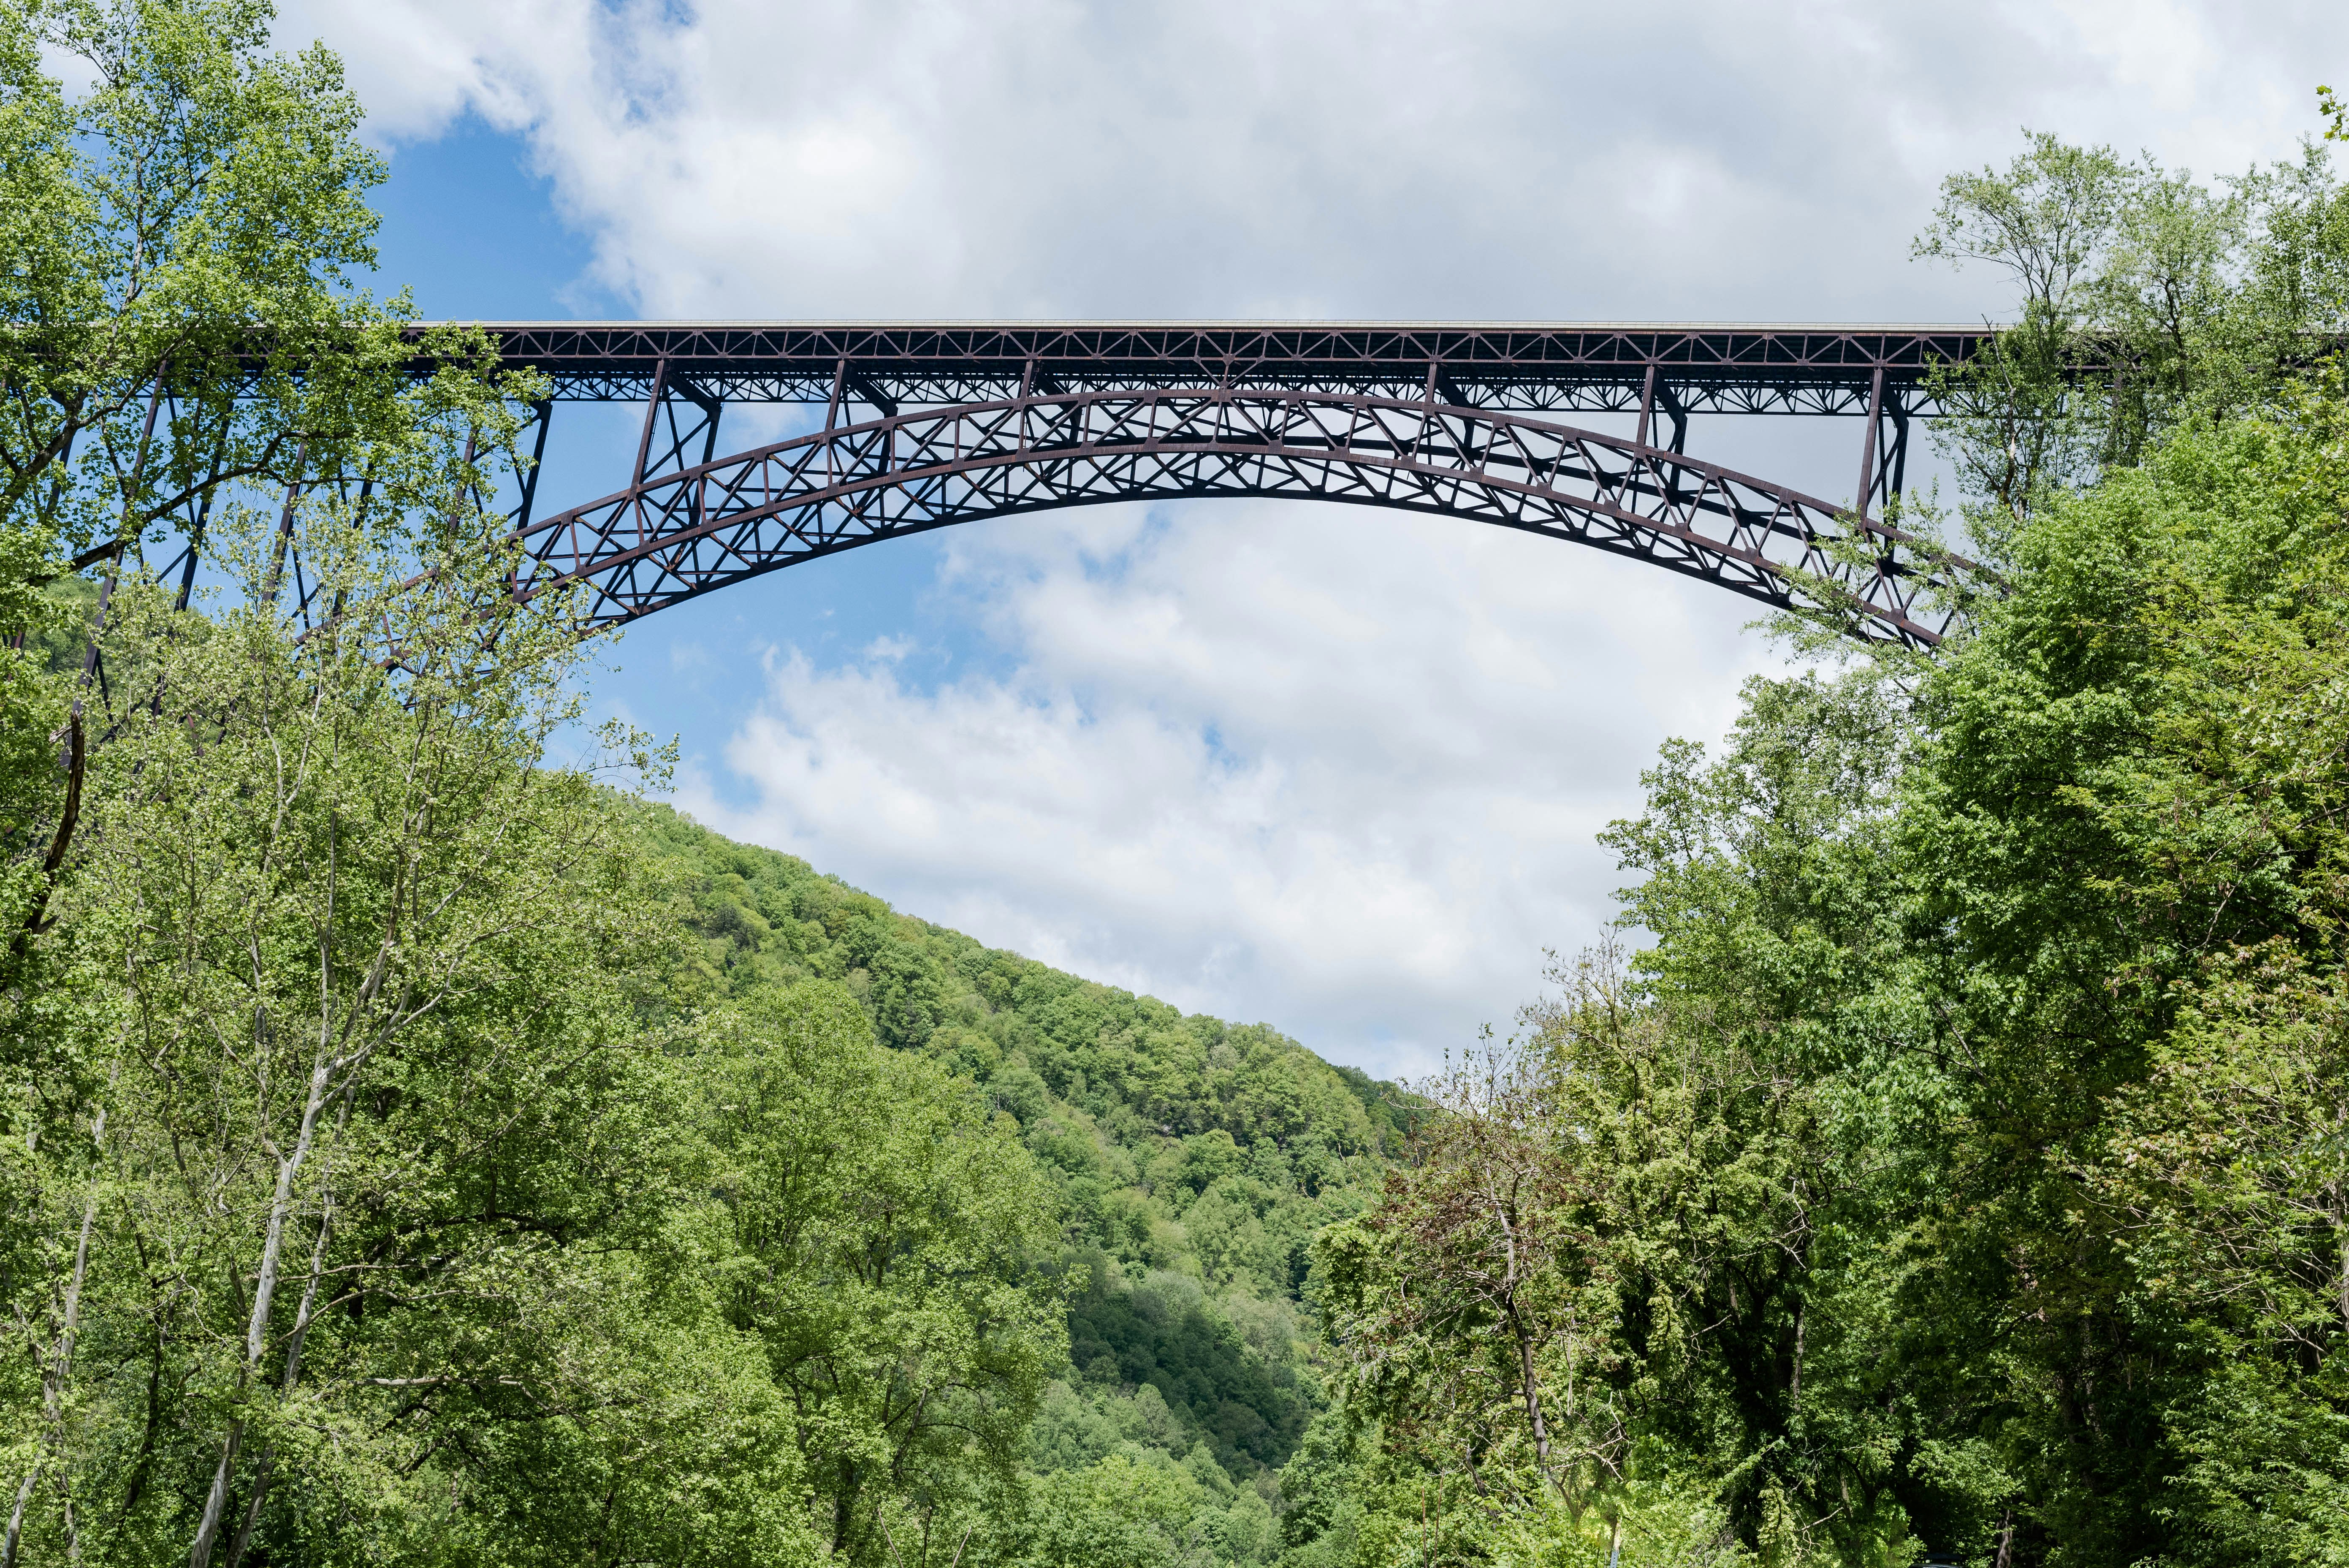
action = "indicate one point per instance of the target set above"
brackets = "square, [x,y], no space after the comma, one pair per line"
[927,425]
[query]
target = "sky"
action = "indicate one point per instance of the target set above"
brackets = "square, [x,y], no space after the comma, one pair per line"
[1320,767]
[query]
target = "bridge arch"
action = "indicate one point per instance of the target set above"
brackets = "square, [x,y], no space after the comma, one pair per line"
[678,534]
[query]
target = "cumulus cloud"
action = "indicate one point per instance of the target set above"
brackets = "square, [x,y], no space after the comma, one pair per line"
[1517,158]
[1339,770]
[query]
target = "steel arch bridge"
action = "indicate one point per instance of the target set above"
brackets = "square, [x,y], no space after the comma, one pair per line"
[931,424]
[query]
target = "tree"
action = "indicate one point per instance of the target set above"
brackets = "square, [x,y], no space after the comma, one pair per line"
[1474,1304]
[2142,297]
[1118,1512]
[185,232]
[893,1244]
[179,322]
[342,1148]
[2128,818]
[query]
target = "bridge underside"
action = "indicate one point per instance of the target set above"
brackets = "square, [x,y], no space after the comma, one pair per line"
[685,528]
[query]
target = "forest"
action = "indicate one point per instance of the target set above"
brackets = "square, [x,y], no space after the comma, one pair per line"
[1945,1157]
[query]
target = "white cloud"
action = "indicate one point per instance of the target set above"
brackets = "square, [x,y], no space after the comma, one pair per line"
[1515,158]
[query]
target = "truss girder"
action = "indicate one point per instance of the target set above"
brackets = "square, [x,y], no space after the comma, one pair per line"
[1535,367]
[673,536]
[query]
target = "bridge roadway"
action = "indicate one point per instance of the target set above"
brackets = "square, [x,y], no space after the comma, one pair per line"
[1578,367]
[930,423]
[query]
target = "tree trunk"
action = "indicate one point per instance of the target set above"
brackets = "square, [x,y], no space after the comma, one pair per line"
[17,1517]
[208,1527]
[1795,1383]
[244,1536]
[265,1289]
[53,1380]
[1533,1395]
[302,1316]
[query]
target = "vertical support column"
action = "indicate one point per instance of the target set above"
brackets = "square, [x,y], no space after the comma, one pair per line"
[127,534]
[194,513]
[1026,416]
[193,551]
[1883,451]
[652,413]
[671,444]
[1424,440]
[358,519]
[712,407]
[285,522]
[544,411]
[831,421]
[93,664]
[1657,393]
[1868,443]
[1892,460]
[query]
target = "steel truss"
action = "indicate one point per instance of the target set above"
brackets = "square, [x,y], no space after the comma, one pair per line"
[685,528]
[1533,368]
[931,423]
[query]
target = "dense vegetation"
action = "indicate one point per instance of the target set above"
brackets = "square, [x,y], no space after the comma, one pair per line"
[1191,1162]
[420,1153]
[1963,1166]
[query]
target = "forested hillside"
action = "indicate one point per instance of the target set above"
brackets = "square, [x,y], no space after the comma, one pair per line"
[1194,1161]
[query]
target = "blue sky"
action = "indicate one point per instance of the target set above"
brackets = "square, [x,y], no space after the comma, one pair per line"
[1339,772]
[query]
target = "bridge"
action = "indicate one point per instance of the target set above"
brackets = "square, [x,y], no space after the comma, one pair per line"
[929,424]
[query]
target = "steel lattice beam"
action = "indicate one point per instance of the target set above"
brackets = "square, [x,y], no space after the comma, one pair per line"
[675,534]
[1559,368]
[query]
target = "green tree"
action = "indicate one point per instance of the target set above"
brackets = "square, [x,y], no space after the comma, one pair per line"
[1118,1512]
[179,320]
[187,232]
[893,1251]
[376,1152]
[2142,297]
[1680,1177]
[342,1166]
[2128,809]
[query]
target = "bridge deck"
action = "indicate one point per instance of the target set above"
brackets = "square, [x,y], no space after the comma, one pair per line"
[1581,366]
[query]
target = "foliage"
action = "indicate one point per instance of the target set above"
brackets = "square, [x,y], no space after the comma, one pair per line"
[1679,1175]
[418,1152]
[1190,1162]
[368,1193]
[1121,1512]
[1246,1400]
[2143,297]
[890,1244]
[186,231]
[2131,812]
